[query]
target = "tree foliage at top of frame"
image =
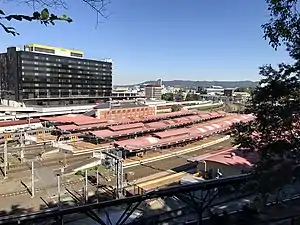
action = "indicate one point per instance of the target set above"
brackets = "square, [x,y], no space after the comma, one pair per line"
[44,16]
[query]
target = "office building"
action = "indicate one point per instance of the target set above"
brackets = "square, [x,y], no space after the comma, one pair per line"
[44,75]
[153,91]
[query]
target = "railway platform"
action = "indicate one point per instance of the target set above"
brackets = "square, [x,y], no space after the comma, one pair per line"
[86,164]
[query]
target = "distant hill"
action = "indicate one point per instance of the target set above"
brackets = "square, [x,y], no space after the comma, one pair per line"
[190,83]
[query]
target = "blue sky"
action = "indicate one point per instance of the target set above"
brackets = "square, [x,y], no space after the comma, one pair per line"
[169,39]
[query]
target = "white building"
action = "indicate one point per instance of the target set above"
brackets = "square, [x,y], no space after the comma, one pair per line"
[215,90]
[153,91]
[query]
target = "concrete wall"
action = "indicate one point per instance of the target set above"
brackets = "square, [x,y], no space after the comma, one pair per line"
[12,103]
[226,170]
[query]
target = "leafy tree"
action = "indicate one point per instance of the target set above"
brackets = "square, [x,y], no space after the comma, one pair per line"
[168,97]
[45,16]
[191,97]
[175,108]
[276,105]
[179,96]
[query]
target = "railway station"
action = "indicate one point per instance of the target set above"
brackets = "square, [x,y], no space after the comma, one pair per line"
[65,145]
[179,137]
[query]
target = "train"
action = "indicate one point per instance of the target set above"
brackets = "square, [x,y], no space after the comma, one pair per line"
[20,125]
[17,136]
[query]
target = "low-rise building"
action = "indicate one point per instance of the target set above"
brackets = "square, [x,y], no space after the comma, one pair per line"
[123,110]
[228,162]
[153,91]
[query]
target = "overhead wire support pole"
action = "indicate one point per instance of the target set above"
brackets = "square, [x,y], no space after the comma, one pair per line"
[5,159]
[58,190]
[97,182]
[32,179]
[85,187]
[22,146]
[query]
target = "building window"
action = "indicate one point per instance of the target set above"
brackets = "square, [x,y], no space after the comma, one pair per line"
[76,54]
[44,50]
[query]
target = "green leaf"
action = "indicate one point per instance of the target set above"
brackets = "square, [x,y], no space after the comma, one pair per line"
[69,20]
[45,14]
[1,12]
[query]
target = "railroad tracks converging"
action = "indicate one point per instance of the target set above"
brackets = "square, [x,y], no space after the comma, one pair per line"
[40,189]
[14,168]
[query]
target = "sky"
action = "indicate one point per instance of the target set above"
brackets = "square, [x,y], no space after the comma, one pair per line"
[168,39]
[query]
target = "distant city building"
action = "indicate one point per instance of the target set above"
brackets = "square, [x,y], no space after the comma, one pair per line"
[124,94]
[159,82]
[44,75]
[153,91]
[229,92]
[201,90]
[123,110]
[215,90]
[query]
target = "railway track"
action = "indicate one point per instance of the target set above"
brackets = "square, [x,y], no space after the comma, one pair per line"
[40,189]
[51,162]
[177,164]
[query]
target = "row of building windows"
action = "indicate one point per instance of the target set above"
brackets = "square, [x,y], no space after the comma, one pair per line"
[65,89]
[130,110]
[55,95]
[62,86]
[103,67]
[83,78]
[37,75]
[66,60]
[60,82]
[56,70]
[44,50]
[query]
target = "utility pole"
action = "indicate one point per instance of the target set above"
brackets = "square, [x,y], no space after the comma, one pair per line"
[22,147]
[5,159]
[32,179]
[65,159]
[85,189]
[97,182]
[58,190]
[117,166]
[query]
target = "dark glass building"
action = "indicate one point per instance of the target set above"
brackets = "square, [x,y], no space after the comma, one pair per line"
[44,75]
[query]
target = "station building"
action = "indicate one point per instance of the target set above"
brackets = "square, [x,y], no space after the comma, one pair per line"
[45,75]
[127,110]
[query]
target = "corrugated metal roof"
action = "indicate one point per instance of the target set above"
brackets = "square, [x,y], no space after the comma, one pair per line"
[132,144]
[18,122]
[205,116]
[156,124]
[241,159]
[176,135]
[103,133]
[126,126]
[170,133]
[69,127]
[213,114]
